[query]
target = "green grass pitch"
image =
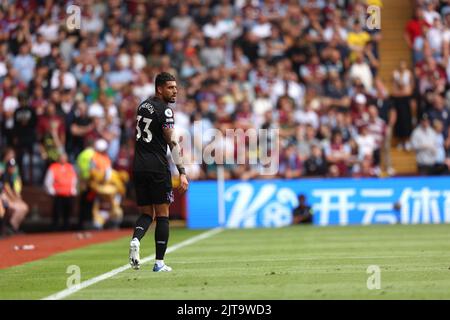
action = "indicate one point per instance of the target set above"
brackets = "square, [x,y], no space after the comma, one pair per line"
[286,263]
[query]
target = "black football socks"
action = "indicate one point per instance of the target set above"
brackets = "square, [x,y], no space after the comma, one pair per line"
[142,224]
[161,236]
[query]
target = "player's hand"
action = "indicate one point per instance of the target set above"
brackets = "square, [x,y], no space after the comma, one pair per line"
[183,184]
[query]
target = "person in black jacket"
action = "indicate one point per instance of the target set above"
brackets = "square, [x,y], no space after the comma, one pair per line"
[25,123]
[303,213]
[316,164]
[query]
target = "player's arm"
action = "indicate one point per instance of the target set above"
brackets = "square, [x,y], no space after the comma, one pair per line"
[175,148]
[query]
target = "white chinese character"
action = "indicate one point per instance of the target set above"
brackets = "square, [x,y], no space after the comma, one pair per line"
[446,195]
[425,205]
[377,212]
[325,205]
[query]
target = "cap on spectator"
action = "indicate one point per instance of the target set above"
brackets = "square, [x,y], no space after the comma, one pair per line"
[424,117]
[11,162]
[360,99]
[101,145]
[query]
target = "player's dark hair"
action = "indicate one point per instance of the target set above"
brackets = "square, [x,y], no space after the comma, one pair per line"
[162,78]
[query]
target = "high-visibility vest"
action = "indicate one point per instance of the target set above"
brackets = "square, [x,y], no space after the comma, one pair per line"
[101,162]
[62,179]
[84,162]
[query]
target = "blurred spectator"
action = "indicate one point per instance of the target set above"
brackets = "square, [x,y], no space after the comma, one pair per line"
[248,170]
[24,64]
[303,213]
[338,153]
[424,142]
[316,164]
[2,210]
[440,166]
[378,130]
[360,69]
[430,12]
[414,33]
[100,171]
[357,38]
[83,163]
[25,124]
[366,143]
[183,20]
[51,135]
[61,183]
[365,168]
[290,165]
[100,160]
[404,114]
[15,207]
[439,112]
[40,48]
[109,191]
[10,104]
[80,129]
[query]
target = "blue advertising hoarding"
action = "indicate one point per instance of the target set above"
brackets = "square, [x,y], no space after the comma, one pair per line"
[269,203]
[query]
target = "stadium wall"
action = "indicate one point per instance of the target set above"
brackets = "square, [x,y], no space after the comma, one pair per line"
[264,203]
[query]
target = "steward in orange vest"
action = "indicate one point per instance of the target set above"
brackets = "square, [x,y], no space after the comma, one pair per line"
[61,182]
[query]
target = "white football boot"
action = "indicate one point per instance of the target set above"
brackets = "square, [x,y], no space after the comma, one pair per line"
[161,268]
[134,254]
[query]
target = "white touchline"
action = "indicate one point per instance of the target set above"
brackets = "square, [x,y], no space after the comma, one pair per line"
[69,291]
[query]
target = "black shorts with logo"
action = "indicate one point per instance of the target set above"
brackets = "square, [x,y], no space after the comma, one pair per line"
[153,187]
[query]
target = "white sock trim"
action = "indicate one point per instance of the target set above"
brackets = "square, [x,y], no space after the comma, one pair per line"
[159,263]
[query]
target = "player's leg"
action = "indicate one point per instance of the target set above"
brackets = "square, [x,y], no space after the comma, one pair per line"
[144,221]
[161,236]
[143,187]
[142,224]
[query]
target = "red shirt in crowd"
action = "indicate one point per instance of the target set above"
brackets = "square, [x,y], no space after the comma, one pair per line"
[414,28]
[45,124]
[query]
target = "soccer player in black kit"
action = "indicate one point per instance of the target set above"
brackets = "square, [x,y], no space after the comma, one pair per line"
[151,173]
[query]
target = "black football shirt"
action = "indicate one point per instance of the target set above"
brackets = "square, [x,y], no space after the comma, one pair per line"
[150,152]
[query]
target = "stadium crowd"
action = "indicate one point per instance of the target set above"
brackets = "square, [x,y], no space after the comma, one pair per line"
[306,67]
[423,93]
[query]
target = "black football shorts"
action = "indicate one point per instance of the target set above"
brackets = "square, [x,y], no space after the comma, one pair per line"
[153,188]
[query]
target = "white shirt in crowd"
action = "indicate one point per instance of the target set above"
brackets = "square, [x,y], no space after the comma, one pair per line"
[261,105]
[3,69]
[10,104]
[403,78]
[295,90]
[262,30]
[330,31]
[425,143]
[49,31]
[41,50]
[111,39]
[435,38]
[144,91]
[92,24]
[366,145]
[215,31]
[429,16]
[363,72]
[96,110]
[70,82]
[307,117]
[136,62]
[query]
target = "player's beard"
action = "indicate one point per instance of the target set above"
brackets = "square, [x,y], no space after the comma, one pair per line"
[170,99]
